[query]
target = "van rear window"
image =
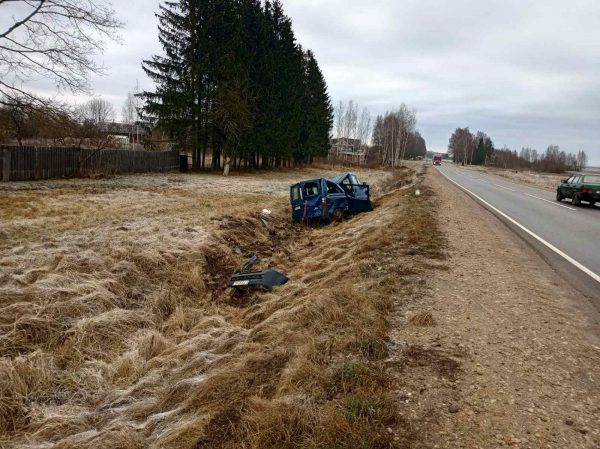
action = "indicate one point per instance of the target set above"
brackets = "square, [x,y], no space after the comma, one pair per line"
[296,193]
[310,189]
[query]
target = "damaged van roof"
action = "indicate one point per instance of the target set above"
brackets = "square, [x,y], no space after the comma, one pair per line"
[339,178]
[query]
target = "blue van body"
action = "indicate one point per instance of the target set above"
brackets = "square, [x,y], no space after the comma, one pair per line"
[329,198]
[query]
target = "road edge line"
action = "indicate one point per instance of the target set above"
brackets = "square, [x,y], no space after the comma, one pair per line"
[549,245]
[551,202]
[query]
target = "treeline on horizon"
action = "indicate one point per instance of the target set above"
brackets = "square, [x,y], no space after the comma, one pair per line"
[89,125]
[467,148]
[233,83]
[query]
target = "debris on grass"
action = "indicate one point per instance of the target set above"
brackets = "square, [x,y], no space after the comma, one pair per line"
[267,279]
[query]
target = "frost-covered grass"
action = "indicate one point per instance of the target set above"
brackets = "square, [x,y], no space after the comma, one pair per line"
[116,331]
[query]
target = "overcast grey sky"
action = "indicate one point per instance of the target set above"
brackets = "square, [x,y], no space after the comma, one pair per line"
[527,72]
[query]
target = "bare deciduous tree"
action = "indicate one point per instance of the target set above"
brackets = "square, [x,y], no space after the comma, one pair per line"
[347,120]
[20,121]
[350,125]
[340,113]
[407,122]
[393,134]
[131,108]
[364,130]
[582,160]
[52,39]
[351,120]
[96,118]
[378,138]
[96,111]
[128,112]
[462,146]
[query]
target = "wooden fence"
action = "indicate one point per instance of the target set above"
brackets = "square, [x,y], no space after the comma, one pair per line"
[28,162]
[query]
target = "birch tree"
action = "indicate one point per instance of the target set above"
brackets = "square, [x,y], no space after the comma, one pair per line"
[407,122]
[128,112]
[364,130]
[378,138]
[340,112]
[351,120]
[461,145]
[394,132]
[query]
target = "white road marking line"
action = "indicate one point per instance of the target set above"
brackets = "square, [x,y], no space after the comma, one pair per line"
[476,177]
[514,183]
[507,188]
[551,202]
[533,196]
[470,174]
[535,236]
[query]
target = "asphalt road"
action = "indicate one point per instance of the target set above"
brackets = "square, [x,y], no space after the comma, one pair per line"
[568,235]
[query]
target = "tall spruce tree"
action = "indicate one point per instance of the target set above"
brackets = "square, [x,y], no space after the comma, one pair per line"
[317,112]
[288,86]
[174,106]
[233,82]
[258,60]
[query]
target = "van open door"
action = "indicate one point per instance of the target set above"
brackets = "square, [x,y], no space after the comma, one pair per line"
[359,195]
[296,202]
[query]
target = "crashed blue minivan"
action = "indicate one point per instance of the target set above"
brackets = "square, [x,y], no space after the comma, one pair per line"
[329,199]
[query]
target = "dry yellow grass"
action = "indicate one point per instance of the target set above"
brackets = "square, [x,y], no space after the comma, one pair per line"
[423,319]
[116,331]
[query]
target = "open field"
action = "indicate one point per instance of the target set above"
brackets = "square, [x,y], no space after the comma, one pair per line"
[116,331]
[546,181]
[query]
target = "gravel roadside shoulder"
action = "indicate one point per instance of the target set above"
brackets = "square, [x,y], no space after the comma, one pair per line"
[527,344]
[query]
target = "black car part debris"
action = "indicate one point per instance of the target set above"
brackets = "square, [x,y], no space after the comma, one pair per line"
[267,278]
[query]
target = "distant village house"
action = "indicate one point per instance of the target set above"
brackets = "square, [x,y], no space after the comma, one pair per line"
[348,149]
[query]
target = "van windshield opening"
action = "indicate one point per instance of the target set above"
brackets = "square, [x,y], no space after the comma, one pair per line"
[333,188]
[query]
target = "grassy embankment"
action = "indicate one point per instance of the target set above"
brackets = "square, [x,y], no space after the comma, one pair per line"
[116,332]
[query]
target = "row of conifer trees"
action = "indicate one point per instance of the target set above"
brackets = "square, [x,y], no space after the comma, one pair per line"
[234,83]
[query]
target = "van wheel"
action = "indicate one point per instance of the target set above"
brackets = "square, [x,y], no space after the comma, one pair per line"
[337,215]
